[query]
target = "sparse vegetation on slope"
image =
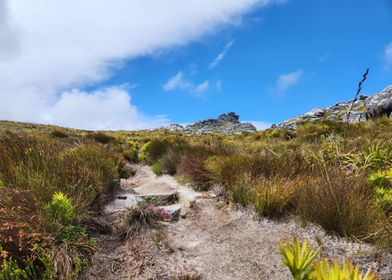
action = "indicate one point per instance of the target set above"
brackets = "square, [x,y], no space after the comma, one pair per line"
[50,190]
[333,174]
[314,173]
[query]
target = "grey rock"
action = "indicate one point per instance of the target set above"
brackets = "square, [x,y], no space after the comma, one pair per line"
[363,109]
[331,118]
[224,124]
[229,117]
[173,210]
[175,127]
[355,117]
[381,103]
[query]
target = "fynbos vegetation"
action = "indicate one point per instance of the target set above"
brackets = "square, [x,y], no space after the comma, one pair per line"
[52,186]
[49,192]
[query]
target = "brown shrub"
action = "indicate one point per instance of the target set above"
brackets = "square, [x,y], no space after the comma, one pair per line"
[22,223]
[288,164]
[170,160]
[274,197]
[338,202]
[241,191]
[192,167]
[101,137]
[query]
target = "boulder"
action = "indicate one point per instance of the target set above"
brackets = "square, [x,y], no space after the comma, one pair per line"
[380,104]
[225,124]
[362,109]
[173,210]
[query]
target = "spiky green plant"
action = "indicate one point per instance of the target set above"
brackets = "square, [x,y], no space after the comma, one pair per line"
[325,270]
[299,259]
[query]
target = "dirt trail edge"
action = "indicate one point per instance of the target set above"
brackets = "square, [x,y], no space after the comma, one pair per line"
[211,240]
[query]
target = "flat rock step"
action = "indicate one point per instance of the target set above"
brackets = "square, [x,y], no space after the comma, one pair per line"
[162,192]
[124,201]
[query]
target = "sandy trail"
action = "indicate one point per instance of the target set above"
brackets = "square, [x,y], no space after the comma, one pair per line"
[215,241]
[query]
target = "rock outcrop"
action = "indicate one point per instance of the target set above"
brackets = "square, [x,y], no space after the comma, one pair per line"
[360,110]
[226,124]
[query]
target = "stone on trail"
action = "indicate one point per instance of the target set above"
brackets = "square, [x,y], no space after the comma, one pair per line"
[146,188]
[174,210]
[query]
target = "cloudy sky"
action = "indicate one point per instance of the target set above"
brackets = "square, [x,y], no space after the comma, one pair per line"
[132,64]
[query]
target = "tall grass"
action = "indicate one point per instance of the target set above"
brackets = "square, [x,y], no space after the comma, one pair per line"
[32,171]
[322,178]
[324,173]
[339,202]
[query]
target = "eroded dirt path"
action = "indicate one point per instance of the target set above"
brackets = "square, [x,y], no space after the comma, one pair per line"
[213,240]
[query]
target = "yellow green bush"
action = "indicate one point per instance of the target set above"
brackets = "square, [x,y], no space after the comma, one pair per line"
[301,261]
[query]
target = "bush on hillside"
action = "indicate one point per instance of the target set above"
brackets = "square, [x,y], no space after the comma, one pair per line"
[101,137]
[48,190]
[192,167]
[154,149]
[338,202]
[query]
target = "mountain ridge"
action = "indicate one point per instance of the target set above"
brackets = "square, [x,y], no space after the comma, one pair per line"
[362,109]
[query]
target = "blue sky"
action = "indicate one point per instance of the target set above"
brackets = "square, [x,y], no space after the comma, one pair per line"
[330,43]
[267,62]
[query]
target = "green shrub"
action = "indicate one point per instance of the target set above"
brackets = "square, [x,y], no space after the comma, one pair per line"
[157,169]
[60,209]
[59,134]
[36,173]
[154,149]
[313,131]
[169,161]
[36,268]
[384,199]
[300,259]
[241,191]
[10,270]
[132,154]
[377,178]
[327,270]
[101,137]
[70,232]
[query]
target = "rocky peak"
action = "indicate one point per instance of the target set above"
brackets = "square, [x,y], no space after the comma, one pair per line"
[362,109]
[226,124]
[229,117]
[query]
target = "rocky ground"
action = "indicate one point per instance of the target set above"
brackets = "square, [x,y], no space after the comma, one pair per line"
[211,240]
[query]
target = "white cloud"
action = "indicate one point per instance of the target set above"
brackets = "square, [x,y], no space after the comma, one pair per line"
[388,54]
[325,57]
[202,87]
[77,108]
[179,82]
[260,125]
[286,81]
[218,59]
[49,46]
[108,108]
